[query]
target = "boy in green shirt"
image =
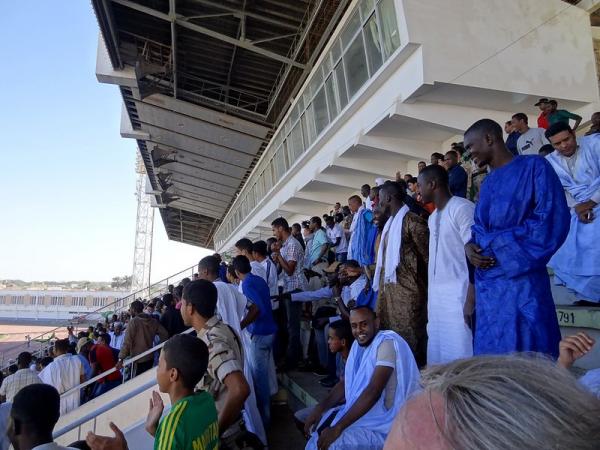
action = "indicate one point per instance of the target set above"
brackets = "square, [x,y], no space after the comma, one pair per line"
[192,422]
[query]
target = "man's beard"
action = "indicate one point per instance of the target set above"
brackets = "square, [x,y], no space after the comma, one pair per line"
[369,342]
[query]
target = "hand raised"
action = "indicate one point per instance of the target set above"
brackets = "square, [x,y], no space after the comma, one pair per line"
[97,442]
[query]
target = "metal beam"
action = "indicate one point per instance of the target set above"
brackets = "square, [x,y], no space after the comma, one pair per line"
[110,24]
[274,38]
[173,15]
[179,20]
[241,33]
[247,14]
[299,46]
[208,16]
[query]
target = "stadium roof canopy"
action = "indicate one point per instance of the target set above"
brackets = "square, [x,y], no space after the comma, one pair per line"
[204,84]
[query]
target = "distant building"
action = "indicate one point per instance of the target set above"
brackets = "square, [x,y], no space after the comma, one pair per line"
[56,304]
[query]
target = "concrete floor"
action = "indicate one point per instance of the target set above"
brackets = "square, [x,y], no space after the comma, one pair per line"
[283,434]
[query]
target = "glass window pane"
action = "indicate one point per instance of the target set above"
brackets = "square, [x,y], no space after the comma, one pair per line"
[341,85]
[285,161]
[336,51]
[374,53]
[316,81]
[350,29]
[268,179]
[277,168]
[366,7]
[389,26]
[310,123]
[355,64]
[295,114]
[331,100]
[269,176]
[260,190]
[307,97]
[296,143]
[289,154]
[327,64]
[305,138]
[320,109]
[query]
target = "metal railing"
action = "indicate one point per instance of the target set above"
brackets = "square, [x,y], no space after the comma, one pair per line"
[126,363]
[93,415]
[118,305]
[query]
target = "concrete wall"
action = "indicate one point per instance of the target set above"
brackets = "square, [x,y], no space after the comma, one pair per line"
[539,47]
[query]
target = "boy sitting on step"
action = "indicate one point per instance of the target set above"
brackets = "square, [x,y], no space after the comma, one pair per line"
[340,340]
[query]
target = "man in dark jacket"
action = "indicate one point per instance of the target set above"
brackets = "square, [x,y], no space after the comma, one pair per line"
[139,337]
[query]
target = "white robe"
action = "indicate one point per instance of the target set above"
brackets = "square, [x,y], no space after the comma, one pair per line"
[64,373]
[370,431]
[449,338]
[231,306]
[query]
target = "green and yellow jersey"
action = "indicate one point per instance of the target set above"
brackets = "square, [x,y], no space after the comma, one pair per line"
[190,425]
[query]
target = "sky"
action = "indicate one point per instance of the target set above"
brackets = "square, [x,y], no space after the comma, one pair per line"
[67,178]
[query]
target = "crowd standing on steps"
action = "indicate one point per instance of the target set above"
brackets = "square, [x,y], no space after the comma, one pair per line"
[423,302]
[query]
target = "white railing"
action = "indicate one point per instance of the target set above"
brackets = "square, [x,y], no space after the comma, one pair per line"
[126,363]
[92,416]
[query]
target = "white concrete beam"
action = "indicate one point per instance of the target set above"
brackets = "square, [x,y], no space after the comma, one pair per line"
[126,129]
[381,164]
[191,144]
[404,148]
[308,208]
[194,197]
[207,115]
[105,73]
[204,186]
[199,165]
[202,209]
[348,178]
[197,128]
[220,180]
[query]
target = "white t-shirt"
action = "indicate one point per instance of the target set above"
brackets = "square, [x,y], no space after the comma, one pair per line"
[258,270]
[531,141]
[386,357]
[64,373]
[337,232]
[271,274]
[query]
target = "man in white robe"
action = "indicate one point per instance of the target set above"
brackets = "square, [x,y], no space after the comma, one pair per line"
[577,263]
[231,307]
[65,372]
[380,374]
[450,295]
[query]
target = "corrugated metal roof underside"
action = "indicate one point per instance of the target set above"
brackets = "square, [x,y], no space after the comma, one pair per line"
[214,78]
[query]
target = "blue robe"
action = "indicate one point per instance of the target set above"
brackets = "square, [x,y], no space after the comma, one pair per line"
[362,243]
[521,220]
[577,263]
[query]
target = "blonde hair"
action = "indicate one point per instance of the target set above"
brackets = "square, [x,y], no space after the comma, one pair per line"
[520,402]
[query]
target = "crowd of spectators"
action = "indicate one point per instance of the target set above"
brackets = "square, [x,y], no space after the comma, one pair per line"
[427,272]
